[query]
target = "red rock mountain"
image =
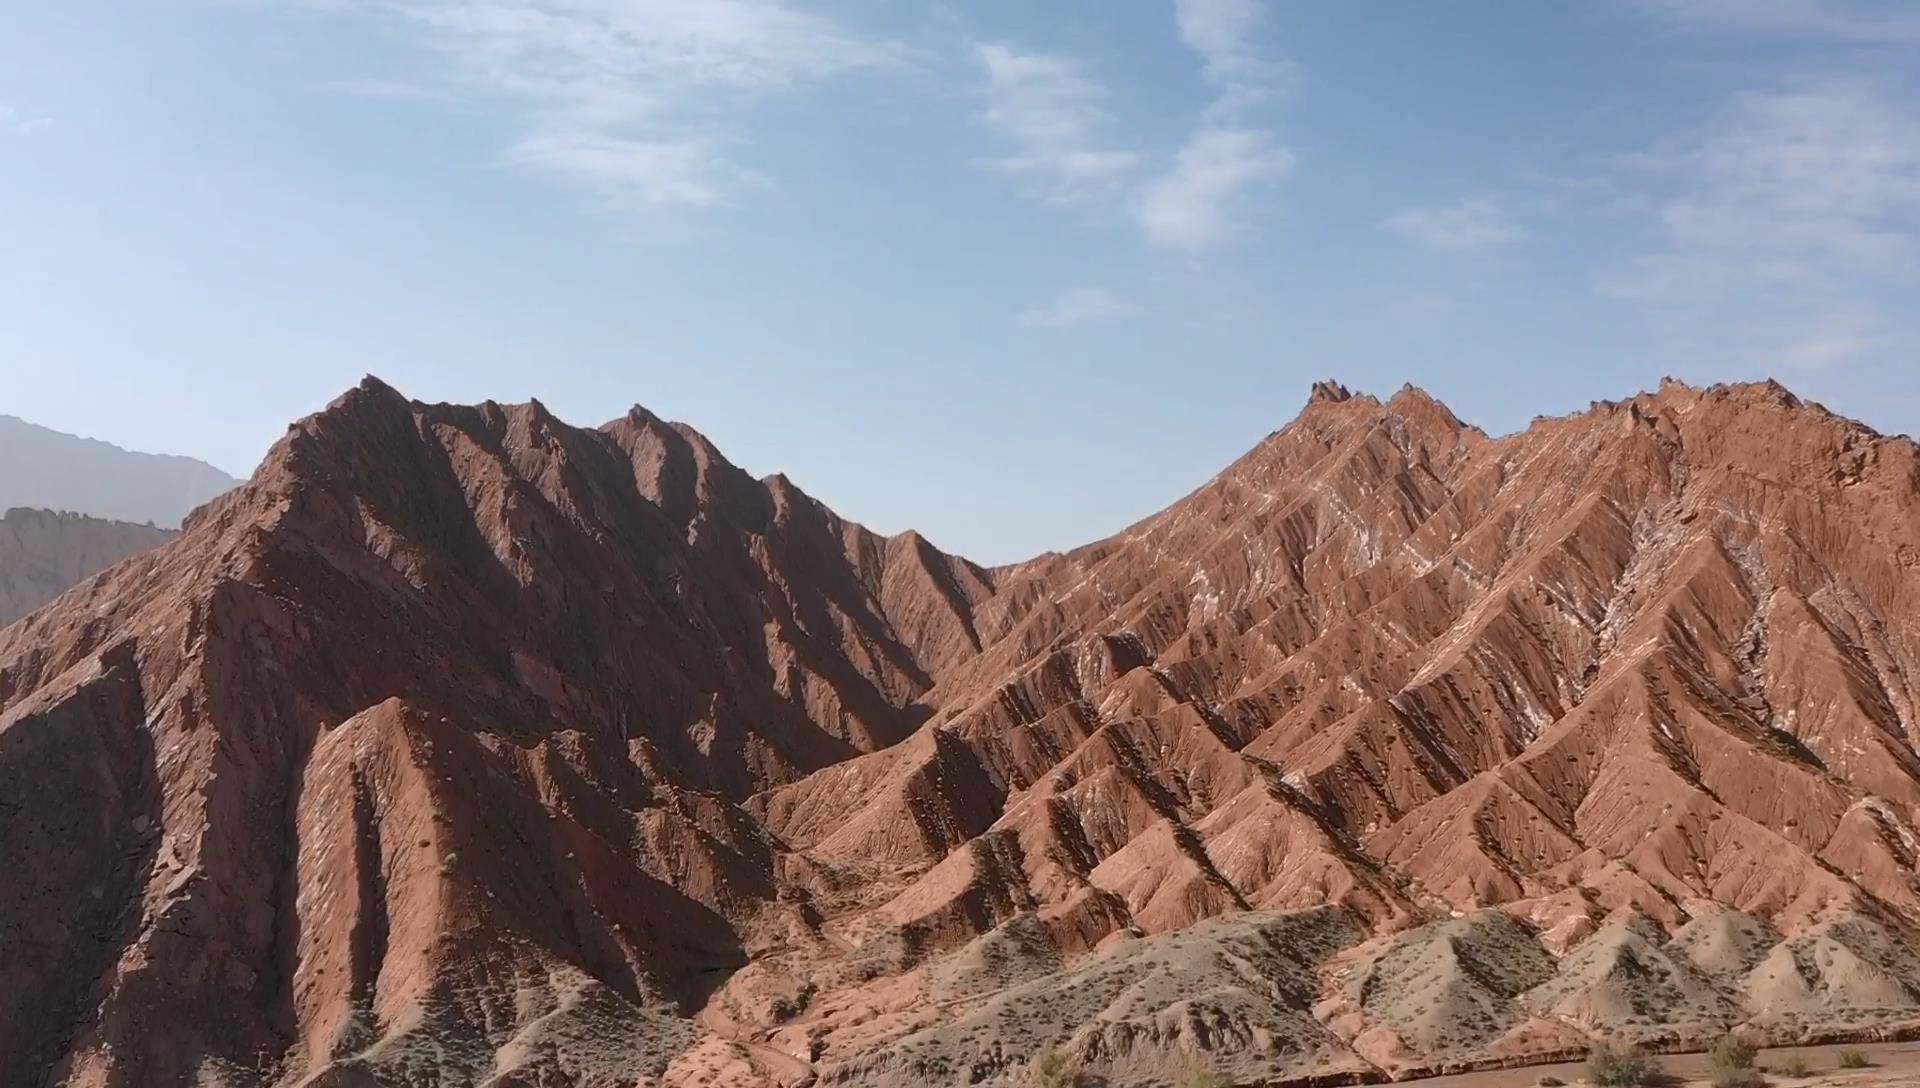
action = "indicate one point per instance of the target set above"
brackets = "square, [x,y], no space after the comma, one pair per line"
[463,746]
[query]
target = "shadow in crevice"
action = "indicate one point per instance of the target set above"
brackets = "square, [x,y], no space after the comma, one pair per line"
[79,831]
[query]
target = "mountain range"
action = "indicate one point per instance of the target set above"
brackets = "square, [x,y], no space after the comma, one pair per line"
[52,470]
[42,552]
[464,746]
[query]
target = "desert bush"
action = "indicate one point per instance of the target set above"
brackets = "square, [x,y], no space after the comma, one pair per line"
[1550,1081]
[1054,1069]
[1795,1066]
[1732,1059]
[1611,1066]
[1732,1054]
[1853,1059]
[1207,1078]
[786,1008]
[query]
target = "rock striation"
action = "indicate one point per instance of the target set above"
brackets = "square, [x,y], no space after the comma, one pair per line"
[464,746]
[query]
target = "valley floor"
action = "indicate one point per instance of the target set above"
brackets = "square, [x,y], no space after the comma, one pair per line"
[1895,1065]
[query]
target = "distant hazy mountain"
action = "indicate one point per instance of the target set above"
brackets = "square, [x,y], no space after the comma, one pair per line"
[45,468]
[43,552]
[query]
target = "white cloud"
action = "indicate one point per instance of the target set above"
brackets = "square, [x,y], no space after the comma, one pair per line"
[1051,114]
[1891,22]
[1785,226]
[1201,202]
[656,173]
[1075,306]
[1470,224]
[399,90]
[634,96]
[1055,116]
[1223,33]
[10,119]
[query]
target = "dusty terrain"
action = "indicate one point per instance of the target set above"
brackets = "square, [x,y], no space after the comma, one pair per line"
[464,746]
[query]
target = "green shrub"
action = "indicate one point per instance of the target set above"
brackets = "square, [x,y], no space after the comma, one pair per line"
[1795,1066]
[1207,1078]
[1611,1066]
[1738,1078]
[1853,1059]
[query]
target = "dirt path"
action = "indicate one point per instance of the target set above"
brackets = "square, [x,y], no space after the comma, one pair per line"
[1895,1065]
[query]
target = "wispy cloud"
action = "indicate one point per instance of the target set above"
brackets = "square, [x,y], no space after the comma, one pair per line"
[1055,115]
[1474,223]
[685,172]
[1075,306]
[1225,34]
[1889,21]
[11,120]
[1052,114]
[398,90]
[639,98]
[1785,226]
[1200,202]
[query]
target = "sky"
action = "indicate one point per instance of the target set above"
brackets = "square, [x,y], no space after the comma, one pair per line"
[1012,272]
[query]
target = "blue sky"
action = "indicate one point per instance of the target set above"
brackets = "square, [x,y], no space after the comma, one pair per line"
[1013,273]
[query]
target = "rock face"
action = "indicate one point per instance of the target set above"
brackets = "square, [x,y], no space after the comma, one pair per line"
[462,746]
[53,470]
[42,552]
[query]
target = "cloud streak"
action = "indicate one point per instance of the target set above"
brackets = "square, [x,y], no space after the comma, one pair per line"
[1055,116]
[1844,20]
[1075,306]
[390,89]
[1200,202]
[1051,114]
[1470,224]
[1224,34]
[1785,226]
[639,99]
[11,120]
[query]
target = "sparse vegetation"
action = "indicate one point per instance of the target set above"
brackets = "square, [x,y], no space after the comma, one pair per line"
[1732,1052]
[1207,1078]
[1795,1066]
[1853,1059]
[1613,1066]
[1054,1069]
[1732,1059]
[786,1008]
